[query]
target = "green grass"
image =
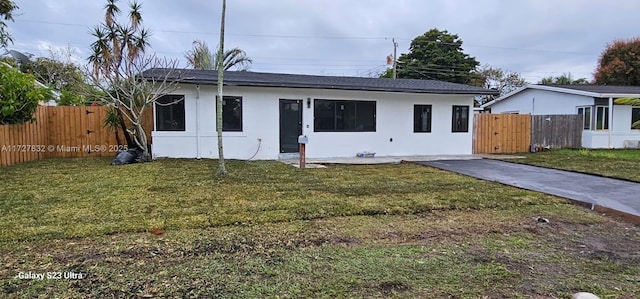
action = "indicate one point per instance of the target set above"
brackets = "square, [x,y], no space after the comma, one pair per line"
[77,198]
[624,164]
[271,230]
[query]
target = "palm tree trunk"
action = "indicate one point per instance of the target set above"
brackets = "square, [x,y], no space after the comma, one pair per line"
[222,170]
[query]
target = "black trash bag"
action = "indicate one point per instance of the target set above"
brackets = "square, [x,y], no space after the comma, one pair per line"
[130,156]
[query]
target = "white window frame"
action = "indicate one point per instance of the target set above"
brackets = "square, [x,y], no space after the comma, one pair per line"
[604,115]
[584,115]
[633,107]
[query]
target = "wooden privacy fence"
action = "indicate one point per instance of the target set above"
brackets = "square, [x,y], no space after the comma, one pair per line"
[518,133]
[556,131]
[63,132]
[501,133]
[15,138]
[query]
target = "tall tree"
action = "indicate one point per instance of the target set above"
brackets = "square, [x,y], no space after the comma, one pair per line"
[117,68]
[60,73]
[201,58]
[437,55]
[7,7]
[564,79]
[619,63]
[222,169]
[498,79]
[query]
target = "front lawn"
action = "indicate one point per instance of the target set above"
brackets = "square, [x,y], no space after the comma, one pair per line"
[271,230]
[624,164]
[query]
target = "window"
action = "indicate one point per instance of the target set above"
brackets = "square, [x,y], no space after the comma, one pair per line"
[635,118]
[422,118]
[170,113]
[602,118]
[232,113]
[344,116]
[460,119]
[586,116]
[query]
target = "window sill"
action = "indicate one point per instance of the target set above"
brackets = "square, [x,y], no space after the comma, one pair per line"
[344,131]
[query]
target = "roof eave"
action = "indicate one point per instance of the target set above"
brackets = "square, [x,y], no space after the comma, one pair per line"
[504,97]
[619,95]
[565,90]
[331,87]
[562,90]
[361,88]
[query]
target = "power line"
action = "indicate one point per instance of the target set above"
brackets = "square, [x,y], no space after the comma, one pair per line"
[353,66]
[314,37]
[511,48]
[215,33]
[434,70]
[358,68]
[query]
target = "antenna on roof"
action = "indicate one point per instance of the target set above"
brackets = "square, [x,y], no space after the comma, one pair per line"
[23,59]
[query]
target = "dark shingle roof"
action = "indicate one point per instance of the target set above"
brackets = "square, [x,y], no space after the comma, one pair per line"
[608,89]
[244,78]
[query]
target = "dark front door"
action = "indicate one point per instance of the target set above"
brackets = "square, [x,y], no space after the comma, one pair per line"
[290,125]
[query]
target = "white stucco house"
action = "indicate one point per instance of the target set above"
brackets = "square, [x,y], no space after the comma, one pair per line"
[606,124]
[264,113]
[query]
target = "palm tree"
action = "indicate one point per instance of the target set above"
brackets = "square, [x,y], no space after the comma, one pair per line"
[114,41]
[564,79]
[116,47]
[222,169]
[200,57]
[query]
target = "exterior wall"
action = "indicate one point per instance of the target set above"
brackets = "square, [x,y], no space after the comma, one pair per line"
[621,131]
[537,102]
[600,139]
[394,134]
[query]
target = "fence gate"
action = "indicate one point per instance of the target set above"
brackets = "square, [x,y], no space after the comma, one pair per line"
[501,133]
[98,136]
[77,131]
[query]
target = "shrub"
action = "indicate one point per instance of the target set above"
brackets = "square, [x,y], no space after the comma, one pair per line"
[19,96]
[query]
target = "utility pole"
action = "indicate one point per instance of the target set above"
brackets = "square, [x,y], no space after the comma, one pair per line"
[395,60]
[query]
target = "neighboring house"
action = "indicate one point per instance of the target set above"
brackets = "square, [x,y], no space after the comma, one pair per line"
[606,125]
[264,113]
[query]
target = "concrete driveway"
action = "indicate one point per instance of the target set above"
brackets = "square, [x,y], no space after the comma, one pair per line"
[618,195]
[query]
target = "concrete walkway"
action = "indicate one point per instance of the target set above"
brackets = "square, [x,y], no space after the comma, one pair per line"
[617,195]
[389,159]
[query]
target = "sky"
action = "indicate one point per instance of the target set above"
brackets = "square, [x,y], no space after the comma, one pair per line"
[536,38]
